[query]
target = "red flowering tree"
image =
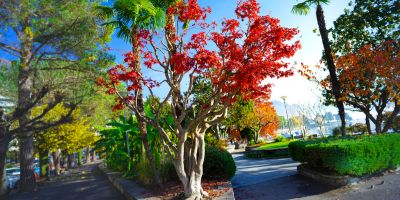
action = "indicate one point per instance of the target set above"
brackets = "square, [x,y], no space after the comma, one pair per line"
[233,61]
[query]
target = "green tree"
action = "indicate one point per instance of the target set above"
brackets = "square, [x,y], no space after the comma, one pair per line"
[69,137]
[48,34]
[304,8]
[130,17]
[367,22]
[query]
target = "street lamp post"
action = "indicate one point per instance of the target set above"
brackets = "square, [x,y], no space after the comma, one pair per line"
[287,116]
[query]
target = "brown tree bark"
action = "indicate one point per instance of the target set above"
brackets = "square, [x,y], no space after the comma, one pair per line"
[87,154]
[4,143]
[140,106]
[70,161]
[27,180]
[57,160]
[331,67]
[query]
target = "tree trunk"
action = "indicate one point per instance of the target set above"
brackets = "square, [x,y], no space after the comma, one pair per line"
[4,143]
[331,67]
[368,124]
[57,161]
[140,106]
[25,85]
[70,161]
[94,157]
[191,178]
[389,121]
[87,154]
[27,180]
[80,157]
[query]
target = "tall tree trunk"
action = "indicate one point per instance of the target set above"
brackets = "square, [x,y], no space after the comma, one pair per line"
[70,161]
[368,124]
[94,158]
[80,157]
[4,143]
[27,180]
[57,161]
[25,85]
[140,106]
[331,67]
[87,154]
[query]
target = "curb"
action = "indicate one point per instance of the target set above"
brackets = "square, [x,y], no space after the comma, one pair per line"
[129,189]
[133,191]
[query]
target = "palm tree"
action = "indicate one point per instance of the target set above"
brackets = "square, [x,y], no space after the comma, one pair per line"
[304,8]
[129,17]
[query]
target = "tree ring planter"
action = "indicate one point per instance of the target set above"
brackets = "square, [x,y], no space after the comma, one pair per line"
[334,180]
[268,153]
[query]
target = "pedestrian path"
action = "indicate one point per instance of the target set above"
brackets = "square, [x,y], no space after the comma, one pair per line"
[253,171]
[88,185]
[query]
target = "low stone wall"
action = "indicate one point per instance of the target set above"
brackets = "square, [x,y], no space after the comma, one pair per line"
[334,180]
[133,191]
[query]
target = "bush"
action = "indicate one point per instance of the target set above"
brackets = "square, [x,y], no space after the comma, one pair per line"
[248,134]
[145,174]
[336,132]
[359,128]
[360,155]
[280,138]
[213,141]
[218,163]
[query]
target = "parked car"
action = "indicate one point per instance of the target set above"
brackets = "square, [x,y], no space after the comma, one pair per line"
[13,175]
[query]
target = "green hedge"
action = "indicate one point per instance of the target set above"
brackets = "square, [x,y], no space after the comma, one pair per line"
[357,156]
[218,163]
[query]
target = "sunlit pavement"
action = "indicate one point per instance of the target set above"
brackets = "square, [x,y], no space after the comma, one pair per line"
[253,171]
[277,179]
[86,184]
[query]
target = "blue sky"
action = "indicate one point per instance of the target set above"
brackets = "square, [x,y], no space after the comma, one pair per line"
[298,89]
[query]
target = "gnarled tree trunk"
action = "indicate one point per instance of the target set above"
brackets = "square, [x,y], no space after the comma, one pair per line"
[190,171]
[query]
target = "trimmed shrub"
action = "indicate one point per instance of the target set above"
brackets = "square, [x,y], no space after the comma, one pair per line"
[360,155]
[218,163]
[280,138]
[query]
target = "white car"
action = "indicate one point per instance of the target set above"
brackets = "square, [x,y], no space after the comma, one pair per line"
[13,175]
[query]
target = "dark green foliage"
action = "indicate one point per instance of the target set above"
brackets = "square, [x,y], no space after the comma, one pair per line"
[247,133]
[218,163]
[336,132]
[367,22]
[280,138]
[361,155]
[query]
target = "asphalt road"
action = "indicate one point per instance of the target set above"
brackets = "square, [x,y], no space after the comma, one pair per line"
[87,184]
[253,171]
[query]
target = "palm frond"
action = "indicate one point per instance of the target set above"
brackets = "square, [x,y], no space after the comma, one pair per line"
[104,12]
[302,8]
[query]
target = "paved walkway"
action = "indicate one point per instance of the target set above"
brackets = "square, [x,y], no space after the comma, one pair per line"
[253,171]
[277,179]
[86,184]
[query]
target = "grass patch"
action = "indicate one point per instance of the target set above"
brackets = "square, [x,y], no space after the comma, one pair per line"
[275,145]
